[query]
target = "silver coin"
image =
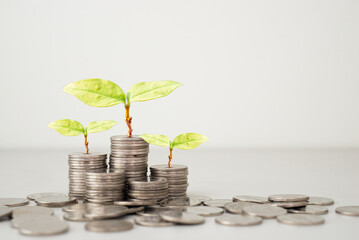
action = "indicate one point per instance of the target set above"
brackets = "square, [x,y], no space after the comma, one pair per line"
[76,217]
[217,202]
[182,217]
[43,225]
[289,204]
[175,201]
[113,225]
[13,202]
[34,196]
[300,219]
[348,210]
[263,211]
[55,201]
[105,212]
[199,197]
[322,201]
[205,211]
[152,221]
[194,202]
[136,202]
[238,220]
[287,197]
[31,210]
[310,209]
[5,211]
[236,207]
[135,210]
[79,207]
[246,198]
[15,222]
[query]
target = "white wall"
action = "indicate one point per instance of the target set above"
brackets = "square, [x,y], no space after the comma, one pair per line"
[255,73]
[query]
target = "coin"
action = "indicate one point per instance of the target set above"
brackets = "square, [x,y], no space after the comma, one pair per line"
[238,220]
[300,219]
[34,196]
[236,207]
[200,197]
[310,209]
[320,201]
[246,198]
[289,204]
[194,202]
[5,211]
[217,202]
[287,197]
[79,207]
[264,211]
[43,225]
[55,201]
[76,217]
[13,202]
[31,210]
[152,221]
[113,225]
[348,210]
[205,211]
[182,217]
[105,212]
[135,209]
[136,202]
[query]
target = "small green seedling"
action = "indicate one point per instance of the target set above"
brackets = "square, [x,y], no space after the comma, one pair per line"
[184,141]
[68,127]
[104,93]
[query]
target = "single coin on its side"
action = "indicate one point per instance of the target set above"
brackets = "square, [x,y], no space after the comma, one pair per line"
[300,219]
[238,220]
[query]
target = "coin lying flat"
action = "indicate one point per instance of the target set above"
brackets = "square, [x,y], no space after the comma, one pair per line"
[264,211]
[194,202]
[348,210]
[31,210]
[5,211]
[289,204]
[13,202]
[310,209]
[287,197]
[182,217]
[238,220]
[199,197]
[236,207]
[135,209]
[76,217]
[205,211]
[34,196]
[105,212]
[113,225]
[300,219]
[43,225]
[152,221]
[55,201]
[136,202]
[322,201]
[246,198]
[79,207]
[217,202]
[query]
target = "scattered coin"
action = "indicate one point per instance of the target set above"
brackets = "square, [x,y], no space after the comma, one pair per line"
[136,202]
[152,221]
[205,211]
[254,199]
[348,210]
[79,207]
[194,202]
[182,217]
[287,197]
[217,202]
[34,196]
[43,225]
[76,217]
[300,219]
[238,220]
[105,212]
[5,211]
[31,210]
[310,209]
[15,222]
[113,225]
[236,207]
[264,211]
[13,202]
[55,201]
[135,209]
[289,204]
[320,201]
[199,197]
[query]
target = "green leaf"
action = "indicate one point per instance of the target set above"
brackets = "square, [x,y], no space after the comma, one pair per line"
[96,92]
[67,127]
[159,140]
[188,141]
[100,126]
[145,91]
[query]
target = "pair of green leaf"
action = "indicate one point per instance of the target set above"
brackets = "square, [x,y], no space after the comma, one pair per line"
[184,141]
[70,127]
[104,93]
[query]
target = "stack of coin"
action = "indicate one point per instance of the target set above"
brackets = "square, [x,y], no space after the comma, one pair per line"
[105,186]
[148,189]
[130,155]
[79,163]
[176,176]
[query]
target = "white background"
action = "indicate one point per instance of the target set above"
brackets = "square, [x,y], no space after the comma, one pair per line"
[256,74]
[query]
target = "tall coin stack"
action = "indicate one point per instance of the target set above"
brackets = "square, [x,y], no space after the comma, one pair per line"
[148,189]
[176,176]
[129,154]
[79,163]
[105,187]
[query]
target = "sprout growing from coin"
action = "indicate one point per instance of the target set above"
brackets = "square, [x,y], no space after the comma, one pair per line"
[184,141]
[104,93]
[68,127]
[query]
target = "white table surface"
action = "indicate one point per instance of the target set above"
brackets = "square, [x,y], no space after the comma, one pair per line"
[216,173]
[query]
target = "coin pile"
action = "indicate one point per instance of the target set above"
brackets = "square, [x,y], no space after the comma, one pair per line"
[105,186]
[129,154]
[176,176]
[148,189]
[79,163]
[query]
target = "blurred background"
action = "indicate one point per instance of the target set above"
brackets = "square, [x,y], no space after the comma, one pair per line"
[256,74]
